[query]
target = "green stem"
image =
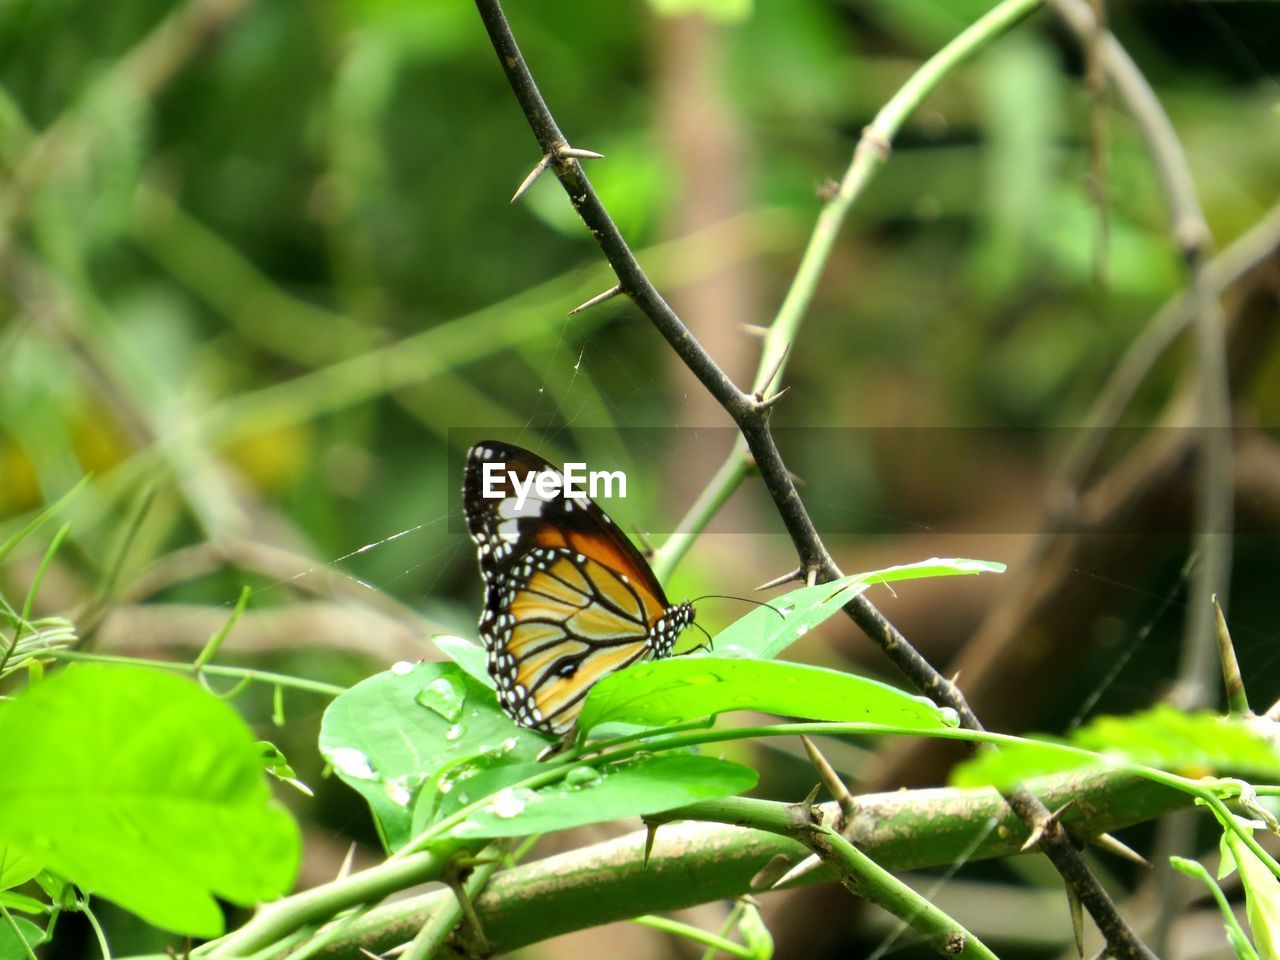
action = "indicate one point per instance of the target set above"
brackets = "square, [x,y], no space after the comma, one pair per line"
[869,155]
[97,929]
[213,670]
[696,934]
[431,937]
[610,882]
[1193,868]
[321,903]
[863,877]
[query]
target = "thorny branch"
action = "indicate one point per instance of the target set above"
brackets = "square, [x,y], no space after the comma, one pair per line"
[750,412]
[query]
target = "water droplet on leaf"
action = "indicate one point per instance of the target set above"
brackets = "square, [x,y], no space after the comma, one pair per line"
[444,696]
[352,763]
[506,804]
[401,667]
[397,792]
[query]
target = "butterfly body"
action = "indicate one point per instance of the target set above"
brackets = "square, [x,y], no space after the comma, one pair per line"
[568,598]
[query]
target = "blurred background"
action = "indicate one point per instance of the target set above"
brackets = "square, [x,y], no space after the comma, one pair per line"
[262,280]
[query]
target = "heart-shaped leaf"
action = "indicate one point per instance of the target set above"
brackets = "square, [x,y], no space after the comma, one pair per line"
[145,789]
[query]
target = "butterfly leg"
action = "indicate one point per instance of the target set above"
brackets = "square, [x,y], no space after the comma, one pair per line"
[567,740]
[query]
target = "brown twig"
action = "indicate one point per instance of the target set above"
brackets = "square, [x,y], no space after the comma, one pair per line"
[752,418]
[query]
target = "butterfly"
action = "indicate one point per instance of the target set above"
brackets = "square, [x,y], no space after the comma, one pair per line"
[568,598]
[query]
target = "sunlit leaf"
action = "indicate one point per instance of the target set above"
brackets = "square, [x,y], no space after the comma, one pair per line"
[667,692]
[635,788]
[145,789]
[1193,744]
[763,633]
[16,867]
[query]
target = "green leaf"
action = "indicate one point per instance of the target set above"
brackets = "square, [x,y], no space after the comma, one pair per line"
[467,783]
[145,789]
[1192,744]
[667,692]
[1262,897]
[764,634]
[20,901]
[16,867]
[277,765]
[398,733]
[11,947]
[1014,763]
[467,654]
[634,788]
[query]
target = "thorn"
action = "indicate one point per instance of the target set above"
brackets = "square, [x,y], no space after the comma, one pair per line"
[1077,920]
[576,153]
[802,869]
[651,834]
[831,780]
[789,577]
[763,404]
[773,373]
[755,330]
[1237,701]
[828,190]
[811,575]
[1049,823]
[534,174]
[955,678]
[598,299]
[809,814]
[345,869]
[1105,841]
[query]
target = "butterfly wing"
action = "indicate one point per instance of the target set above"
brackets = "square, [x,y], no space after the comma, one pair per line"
[568,598]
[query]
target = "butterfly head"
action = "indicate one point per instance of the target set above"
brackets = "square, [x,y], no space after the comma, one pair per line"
[669,626]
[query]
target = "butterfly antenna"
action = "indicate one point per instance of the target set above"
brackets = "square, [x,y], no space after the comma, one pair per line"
[725,596]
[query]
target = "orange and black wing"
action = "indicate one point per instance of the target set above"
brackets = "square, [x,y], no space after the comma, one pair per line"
[568,598]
